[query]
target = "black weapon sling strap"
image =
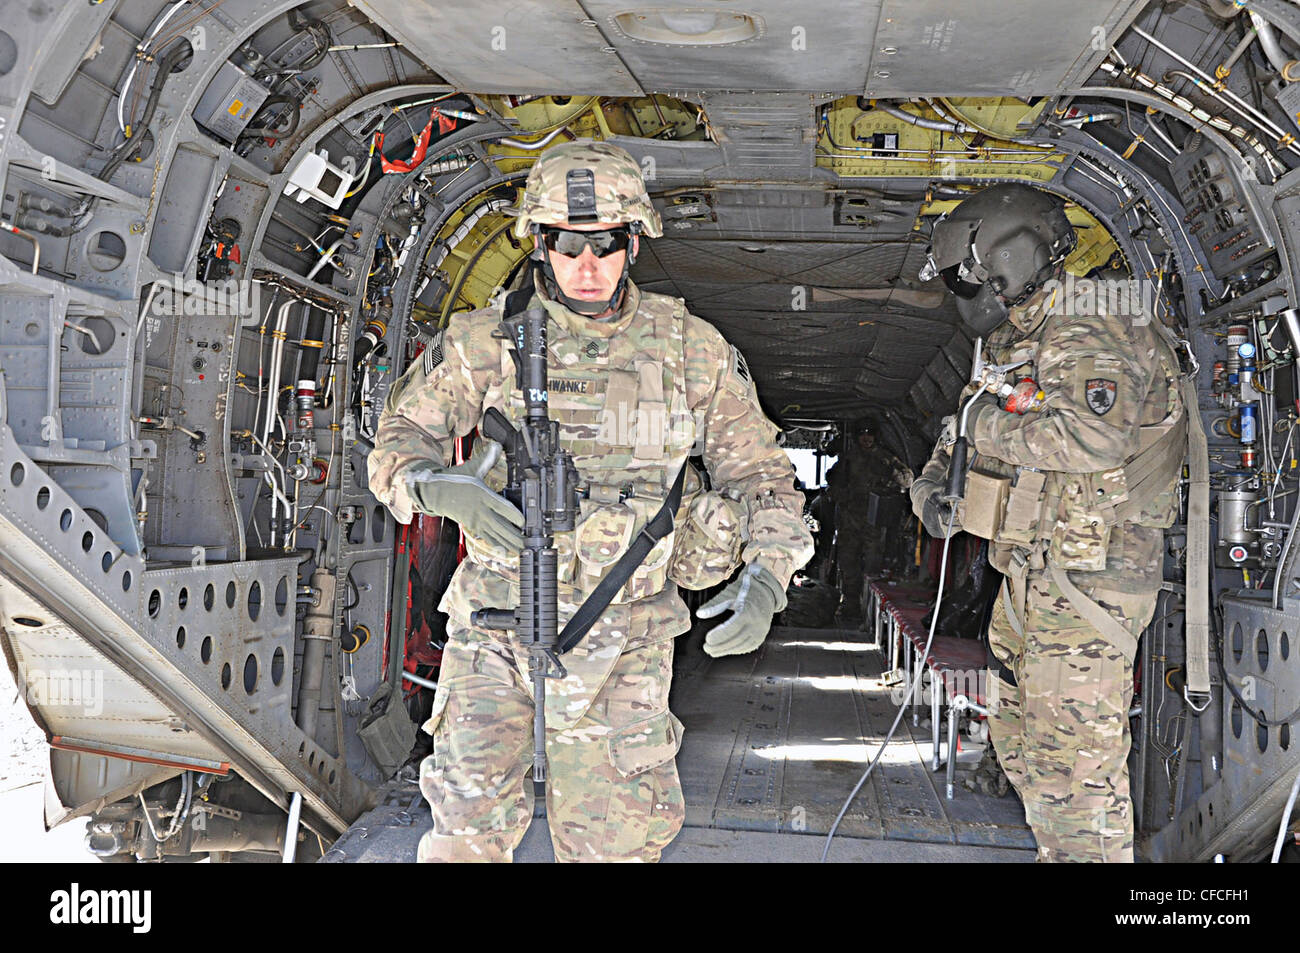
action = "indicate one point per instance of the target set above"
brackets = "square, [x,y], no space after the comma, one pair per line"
[658,527]
[596,603]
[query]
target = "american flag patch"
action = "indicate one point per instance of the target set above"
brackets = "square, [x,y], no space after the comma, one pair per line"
[738,360]
[433,353]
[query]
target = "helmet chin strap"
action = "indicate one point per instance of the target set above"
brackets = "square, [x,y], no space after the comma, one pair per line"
[592,308]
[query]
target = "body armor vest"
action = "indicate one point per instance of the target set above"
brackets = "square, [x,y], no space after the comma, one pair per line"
[622,410]
[1073,513]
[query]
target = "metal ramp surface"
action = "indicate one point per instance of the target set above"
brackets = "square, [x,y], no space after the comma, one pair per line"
[774,742]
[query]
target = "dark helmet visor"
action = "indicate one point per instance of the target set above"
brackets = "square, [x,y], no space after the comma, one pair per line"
[962,289]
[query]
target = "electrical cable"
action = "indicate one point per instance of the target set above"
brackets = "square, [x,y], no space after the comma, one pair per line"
[127,149]
[275,131]
[1286,819]
[907,699]
[126,84]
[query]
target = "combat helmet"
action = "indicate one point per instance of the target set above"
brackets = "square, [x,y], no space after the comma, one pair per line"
[997,248]
[585,182]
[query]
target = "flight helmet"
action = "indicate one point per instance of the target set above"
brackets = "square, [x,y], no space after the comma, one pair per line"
[997,248]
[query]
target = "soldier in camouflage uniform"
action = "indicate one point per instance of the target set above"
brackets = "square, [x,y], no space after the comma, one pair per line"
[1092,437]
[635,382]
[866,469]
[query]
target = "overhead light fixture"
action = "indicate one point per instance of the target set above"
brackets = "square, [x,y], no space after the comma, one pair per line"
[689,27]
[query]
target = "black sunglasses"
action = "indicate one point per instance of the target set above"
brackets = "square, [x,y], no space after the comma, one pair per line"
[571,244]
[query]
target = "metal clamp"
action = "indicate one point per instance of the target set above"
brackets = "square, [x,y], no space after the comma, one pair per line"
[959,704]
[1187,697]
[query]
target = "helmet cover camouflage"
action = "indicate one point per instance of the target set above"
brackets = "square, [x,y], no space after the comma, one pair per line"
[586,173]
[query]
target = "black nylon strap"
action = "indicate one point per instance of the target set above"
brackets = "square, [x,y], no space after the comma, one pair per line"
[658,527]
[1000,668]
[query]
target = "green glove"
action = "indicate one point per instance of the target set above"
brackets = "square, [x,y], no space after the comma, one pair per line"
[985,404]
[459,494]
[753,599]
[935,514]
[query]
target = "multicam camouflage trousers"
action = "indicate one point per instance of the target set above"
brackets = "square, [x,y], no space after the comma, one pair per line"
[1061,729]
[613,792]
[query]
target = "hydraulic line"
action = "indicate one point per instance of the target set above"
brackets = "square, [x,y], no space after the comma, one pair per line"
[923,123]
[1078,121]
[1224,68]
[327,258]
[36,246]
[311,239]
[1234,102]
[273,388]
[1284,560]
[1152,115]
[1269,44]
[516,144]
[291,830]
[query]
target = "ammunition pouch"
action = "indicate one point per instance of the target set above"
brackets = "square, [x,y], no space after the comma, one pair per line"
[603,534]
[709,537]
[983,508]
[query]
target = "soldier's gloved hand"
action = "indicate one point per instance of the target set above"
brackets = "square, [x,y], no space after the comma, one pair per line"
[919,491]
[753,598]
[460,494]
[934,515]
[949,435]
[985,404]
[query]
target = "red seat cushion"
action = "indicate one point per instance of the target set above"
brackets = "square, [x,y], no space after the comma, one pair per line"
[959,660]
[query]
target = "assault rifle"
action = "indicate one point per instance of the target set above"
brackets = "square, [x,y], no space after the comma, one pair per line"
[543,482]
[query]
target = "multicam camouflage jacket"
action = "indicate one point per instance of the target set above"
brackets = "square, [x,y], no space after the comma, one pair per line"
[634,394]
[1111,385]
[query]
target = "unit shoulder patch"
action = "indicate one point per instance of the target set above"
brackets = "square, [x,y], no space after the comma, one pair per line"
[1100,393]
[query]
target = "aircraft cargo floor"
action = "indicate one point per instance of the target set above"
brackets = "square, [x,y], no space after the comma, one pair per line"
[774,742]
